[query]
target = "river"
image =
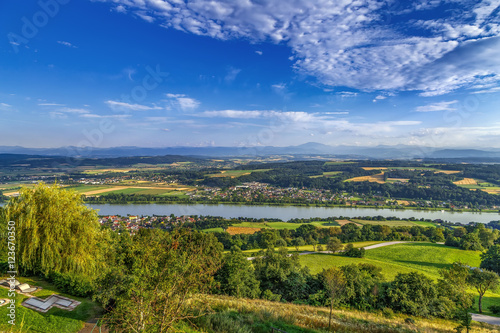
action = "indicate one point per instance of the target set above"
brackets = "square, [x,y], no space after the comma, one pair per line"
[286,213]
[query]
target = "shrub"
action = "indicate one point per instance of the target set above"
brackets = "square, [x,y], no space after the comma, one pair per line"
[494,309]
[387,312]
[75,285]
[268,294]
[409,321]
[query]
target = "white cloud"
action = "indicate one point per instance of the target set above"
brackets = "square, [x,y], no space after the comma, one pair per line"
[231,74]
[5,107]
[183,102]
[68,44]
[132,107]
[440,106]
[258,52]
[50,104]
[350,43]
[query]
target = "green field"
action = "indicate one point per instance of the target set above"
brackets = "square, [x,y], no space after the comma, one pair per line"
[426,258]
[284,225]
[55,320]
[236,173]
[338,162]
[303,248]
[327,174]
[395,223]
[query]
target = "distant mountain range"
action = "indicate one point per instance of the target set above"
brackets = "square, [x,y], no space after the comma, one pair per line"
[310,149]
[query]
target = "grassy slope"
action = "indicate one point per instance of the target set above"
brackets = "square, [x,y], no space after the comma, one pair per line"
[55,320]
[258,315]
[425,258]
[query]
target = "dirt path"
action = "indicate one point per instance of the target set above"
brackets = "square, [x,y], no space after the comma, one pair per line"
[485,319]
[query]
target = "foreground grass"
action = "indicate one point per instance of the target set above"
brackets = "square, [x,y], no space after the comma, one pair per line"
[55,320]
[246,315]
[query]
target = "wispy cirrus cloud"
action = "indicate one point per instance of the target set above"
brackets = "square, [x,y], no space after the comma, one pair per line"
[440,106]
[349,43]
[116,105]
[68,44]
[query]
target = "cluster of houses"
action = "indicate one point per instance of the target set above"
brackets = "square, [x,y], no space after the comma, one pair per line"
[132,223]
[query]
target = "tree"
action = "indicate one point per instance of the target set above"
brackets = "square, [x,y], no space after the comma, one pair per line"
[55,232]
[237,277]
[412,293]
[471,242]
[362,285]
[334,282]
[454,285]
[268,238]
[490,259]
[334,244]
[482,280]
[149,290]
[298,242]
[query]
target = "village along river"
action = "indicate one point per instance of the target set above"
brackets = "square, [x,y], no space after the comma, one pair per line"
[286,213]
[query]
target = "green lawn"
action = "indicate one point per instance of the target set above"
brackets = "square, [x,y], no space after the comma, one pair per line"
[55,320]
[292,249]
[284,225]
[236,173]
[395,223]
[85,188]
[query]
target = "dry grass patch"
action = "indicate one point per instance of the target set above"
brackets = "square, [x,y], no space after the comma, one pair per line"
[242,230]
[312,317]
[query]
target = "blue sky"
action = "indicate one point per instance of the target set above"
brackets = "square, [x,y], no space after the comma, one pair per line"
[158,73]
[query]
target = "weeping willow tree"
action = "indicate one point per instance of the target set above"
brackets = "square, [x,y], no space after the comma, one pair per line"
[55,232]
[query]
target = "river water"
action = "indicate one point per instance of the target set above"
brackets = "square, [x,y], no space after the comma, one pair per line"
[286,213]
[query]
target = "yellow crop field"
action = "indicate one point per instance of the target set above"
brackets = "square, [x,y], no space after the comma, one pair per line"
[242,230]
[448,172]
[378,178]
[466,181]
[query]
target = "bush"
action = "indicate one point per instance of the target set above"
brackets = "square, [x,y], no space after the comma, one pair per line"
[75,285]
[268,294]
[387,312]
[494,309]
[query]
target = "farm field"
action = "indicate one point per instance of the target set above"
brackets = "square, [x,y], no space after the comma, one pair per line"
[378,178]
[338,162]
[242,230]
[236,173]
[426,258]
[327,174]
[395,223]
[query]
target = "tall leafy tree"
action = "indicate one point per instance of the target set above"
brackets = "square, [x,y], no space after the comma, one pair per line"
[237,276]
[482,280]
[335,283]
[55,231]
[490,259]
[156,276]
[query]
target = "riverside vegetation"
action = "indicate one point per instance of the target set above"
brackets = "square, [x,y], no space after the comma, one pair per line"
[180,279]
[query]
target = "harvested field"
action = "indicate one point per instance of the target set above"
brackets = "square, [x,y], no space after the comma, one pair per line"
[378,178]
[466,181]
[403,202]
[374,168]
[242,230]
[104,190]
[448,172]
[344,222]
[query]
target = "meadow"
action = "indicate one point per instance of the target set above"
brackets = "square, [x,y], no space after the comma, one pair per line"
[426,258]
